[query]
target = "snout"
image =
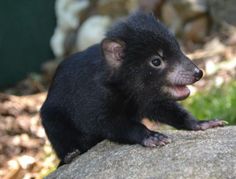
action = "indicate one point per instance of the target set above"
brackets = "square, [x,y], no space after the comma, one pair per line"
[197,74]
[179,81]
[184,73]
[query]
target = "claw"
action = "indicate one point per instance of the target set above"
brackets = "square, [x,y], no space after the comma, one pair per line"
[203,125]
[152,145]
[162,143]
[167,141]
[156,139]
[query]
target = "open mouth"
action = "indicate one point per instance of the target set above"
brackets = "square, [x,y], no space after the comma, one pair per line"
[179,92]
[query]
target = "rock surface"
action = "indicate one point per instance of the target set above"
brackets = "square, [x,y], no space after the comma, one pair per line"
[222,11]
[203,154]
[68,14]
[92,31]
[190,20]
[188,9]
[196,30]
[115,8]
[171,18]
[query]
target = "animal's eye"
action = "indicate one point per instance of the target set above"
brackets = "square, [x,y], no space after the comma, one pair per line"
[156,61]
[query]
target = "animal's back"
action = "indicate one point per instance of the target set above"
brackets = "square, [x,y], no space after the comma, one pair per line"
[75,76]
[141,74]
[68,105]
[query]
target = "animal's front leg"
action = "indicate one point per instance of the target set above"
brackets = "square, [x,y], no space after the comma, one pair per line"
[173,114]
[132,132]
[207,124]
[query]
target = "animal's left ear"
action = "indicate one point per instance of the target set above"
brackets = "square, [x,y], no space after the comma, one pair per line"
[113,51]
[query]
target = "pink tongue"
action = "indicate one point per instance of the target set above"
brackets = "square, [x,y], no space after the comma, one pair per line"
[182,90]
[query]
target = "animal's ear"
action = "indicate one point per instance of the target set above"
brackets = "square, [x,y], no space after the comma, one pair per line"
[113,51]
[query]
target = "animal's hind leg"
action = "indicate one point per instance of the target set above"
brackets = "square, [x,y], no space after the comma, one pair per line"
[85,142]
[64,136]
[67,141]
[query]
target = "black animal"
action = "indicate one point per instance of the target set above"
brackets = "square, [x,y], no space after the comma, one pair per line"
[138,71]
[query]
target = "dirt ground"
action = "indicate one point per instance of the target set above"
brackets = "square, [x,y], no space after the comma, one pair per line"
[24,150]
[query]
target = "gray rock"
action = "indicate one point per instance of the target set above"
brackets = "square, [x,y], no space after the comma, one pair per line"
[92,31]
[223,11]
[151,5]
[116,8]
[188,9]
[196,30]
[171,18]
[68,14]
[177,13]
[202,154]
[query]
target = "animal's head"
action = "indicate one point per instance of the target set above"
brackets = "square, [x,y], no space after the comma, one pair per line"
[146,58]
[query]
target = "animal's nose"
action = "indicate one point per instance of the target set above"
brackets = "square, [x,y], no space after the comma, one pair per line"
[197,74]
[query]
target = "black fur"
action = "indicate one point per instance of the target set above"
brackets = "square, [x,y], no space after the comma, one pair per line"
[91,99]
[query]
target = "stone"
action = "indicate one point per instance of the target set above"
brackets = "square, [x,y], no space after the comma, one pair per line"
[48,70]
[223,11]
[114,8]
[202,154]
[214,47]
[171,18]
[188,9]
[132,5]
[57,42]
[152,6]
[92,31]
[68,14]
[196,30]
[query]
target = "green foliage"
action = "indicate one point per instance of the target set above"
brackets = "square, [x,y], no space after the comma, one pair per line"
[217,103]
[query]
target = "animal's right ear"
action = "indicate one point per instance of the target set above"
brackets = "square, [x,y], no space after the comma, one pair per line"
[113,51]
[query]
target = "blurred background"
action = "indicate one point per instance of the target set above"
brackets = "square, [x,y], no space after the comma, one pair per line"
[35,36]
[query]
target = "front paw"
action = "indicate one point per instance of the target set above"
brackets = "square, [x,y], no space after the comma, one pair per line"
[155,139]
[203,125]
